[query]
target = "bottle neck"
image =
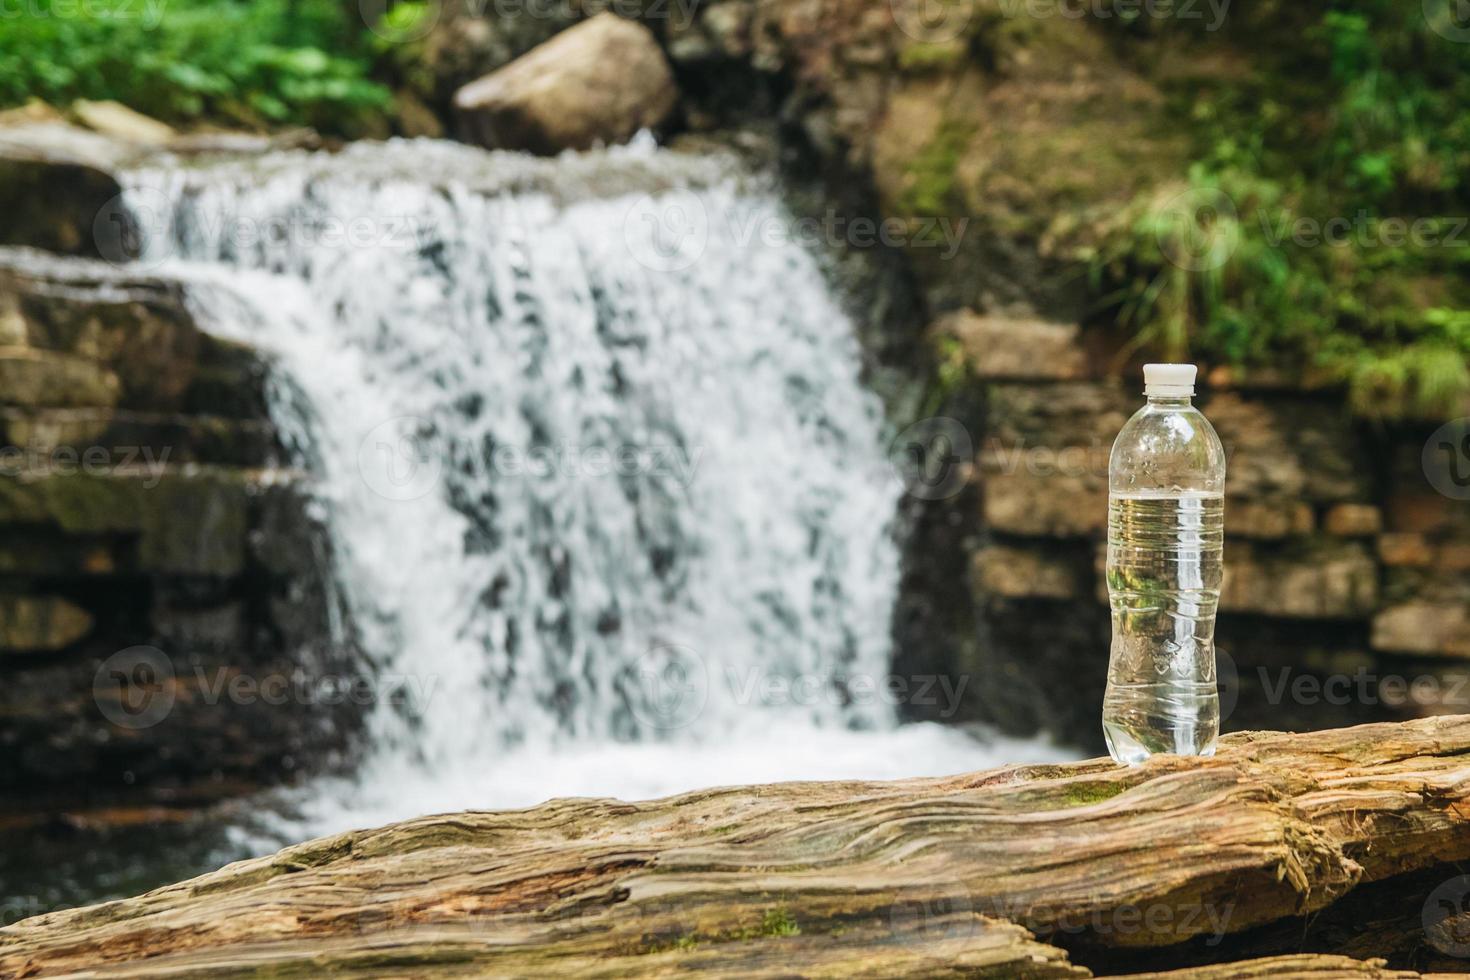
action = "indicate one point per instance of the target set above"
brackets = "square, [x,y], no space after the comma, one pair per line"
[1170,401]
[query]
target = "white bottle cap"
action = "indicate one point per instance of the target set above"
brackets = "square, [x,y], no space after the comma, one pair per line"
[1169,380]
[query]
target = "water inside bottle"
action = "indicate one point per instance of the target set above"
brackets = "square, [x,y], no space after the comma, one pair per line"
[1164,570]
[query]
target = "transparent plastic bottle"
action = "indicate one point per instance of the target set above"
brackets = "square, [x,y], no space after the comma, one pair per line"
[1166,485]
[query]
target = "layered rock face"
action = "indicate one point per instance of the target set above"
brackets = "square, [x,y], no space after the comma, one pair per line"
[165,611]
[1345,594]
[1002,147]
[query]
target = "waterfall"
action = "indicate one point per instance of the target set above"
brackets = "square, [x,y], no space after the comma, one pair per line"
[606,495]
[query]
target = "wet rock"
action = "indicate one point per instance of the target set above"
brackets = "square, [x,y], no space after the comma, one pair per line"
[1423,626]
[718,31]
[1416,511]
[1025,501]
[58,186]
[1299,448]
[1353,520]
[139,511]
[1003,347]
[1016,573]
[133,326]
[35,378]
[33,552]
[470,40]
[1057,416]
[186,521]
[232,144]
[131,439]
[54,180]
[33,111]
[562,96]
[1267,519]
[1401,549]
[119,122]
[31,624]
[1316,581]
[412,118]
[1453,557]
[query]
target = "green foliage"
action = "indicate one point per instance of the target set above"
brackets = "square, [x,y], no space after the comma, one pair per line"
[778,922]
[951,373]
[924,56]
[403,22]
[257,62]
[931,175]
[1325,224]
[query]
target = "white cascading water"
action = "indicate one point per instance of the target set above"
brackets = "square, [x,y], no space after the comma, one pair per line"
[608,501]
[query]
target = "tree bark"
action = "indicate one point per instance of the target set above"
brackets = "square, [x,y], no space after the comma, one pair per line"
[1026,871]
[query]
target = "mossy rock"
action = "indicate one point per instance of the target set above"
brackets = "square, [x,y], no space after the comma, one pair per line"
[186,522]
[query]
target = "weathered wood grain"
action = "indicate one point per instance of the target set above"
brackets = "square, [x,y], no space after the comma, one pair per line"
[985,874]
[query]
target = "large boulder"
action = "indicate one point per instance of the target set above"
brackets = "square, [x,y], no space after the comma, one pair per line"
[54,179]
[117,121]
[598,82]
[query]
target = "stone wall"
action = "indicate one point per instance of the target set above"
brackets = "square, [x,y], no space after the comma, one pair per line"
[152,553]
[1347,572]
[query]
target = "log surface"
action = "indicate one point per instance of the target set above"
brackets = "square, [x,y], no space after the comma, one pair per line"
[1025,871]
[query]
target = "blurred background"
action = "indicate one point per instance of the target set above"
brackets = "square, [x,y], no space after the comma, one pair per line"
[419,406]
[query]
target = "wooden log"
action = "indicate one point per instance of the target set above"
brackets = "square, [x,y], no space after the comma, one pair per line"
[1025,871]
